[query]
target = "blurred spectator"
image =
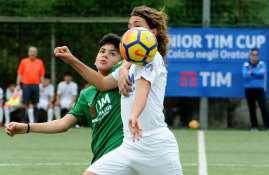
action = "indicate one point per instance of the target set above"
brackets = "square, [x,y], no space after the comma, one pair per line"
[30,73]
[67,91]
[1,106]
[179,111]
[254,74]
[46,94]
[173,112]
[13,101]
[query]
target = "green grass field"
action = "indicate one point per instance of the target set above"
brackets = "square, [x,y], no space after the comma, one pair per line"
[228,153]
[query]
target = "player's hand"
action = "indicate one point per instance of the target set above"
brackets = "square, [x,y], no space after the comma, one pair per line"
[136,128]
[124,83]
[15,128]
[64,53]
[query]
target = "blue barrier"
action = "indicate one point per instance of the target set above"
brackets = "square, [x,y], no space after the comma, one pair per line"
[208,62]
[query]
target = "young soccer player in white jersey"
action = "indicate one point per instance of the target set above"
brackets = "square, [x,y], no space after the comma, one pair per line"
[13,101]
[46,96]
[149,147]
[67,91]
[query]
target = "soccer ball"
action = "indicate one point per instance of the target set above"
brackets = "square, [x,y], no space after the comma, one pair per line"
[193,124]
[138,45]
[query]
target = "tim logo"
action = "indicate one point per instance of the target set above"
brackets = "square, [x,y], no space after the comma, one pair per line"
[188,79]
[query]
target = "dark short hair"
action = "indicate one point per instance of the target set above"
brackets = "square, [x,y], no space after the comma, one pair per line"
[254,49]
[67,74]
[110,38]
[47,76]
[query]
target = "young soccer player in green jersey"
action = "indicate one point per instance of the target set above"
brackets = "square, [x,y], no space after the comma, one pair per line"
[149,147]
[101,109]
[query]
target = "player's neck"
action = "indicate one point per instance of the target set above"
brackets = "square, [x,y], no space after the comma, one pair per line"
[104,73]
[32,58]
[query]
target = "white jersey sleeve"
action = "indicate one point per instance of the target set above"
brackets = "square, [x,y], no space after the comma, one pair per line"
[74,89]
[8,94]
[51,90]
[60,88]
[148,72]
[116,74]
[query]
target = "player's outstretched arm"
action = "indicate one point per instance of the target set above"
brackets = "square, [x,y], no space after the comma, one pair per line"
[89,74]
[124,83]
[142,91]
[55,126]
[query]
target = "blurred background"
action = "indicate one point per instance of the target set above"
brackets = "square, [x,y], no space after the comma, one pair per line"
[80,24]
[205,88]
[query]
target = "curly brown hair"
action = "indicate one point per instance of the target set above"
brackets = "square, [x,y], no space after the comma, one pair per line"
[155,19]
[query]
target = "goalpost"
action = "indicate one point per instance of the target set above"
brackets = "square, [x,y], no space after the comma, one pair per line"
[52,21]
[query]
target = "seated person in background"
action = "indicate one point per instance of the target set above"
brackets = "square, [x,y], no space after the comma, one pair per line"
[67,91]
[46,95]
[1,106]
[13,101]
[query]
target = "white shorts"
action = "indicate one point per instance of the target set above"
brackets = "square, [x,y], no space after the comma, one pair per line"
[65,103]
[157,154]
[11,109]
[43,104]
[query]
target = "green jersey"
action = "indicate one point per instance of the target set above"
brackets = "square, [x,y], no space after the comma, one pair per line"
[102,110]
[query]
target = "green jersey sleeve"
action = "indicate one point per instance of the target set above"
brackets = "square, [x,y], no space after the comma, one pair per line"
[81,109]
[115,67]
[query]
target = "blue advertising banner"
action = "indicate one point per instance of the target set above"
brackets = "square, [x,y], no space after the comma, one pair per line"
[208,62]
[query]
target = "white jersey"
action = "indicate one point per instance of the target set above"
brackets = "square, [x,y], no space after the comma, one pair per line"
[66,92]
[9,94]
[45,95]
[152,117]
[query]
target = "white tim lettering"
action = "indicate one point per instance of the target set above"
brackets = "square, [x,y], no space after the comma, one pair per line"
[204,76]
[210,40]
[224,80]
[226,41]
[213,79]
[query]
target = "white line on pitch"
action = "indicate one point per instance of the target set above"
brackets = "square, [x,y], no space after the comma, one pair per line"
[202,167]
[239,165]
[44,164]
